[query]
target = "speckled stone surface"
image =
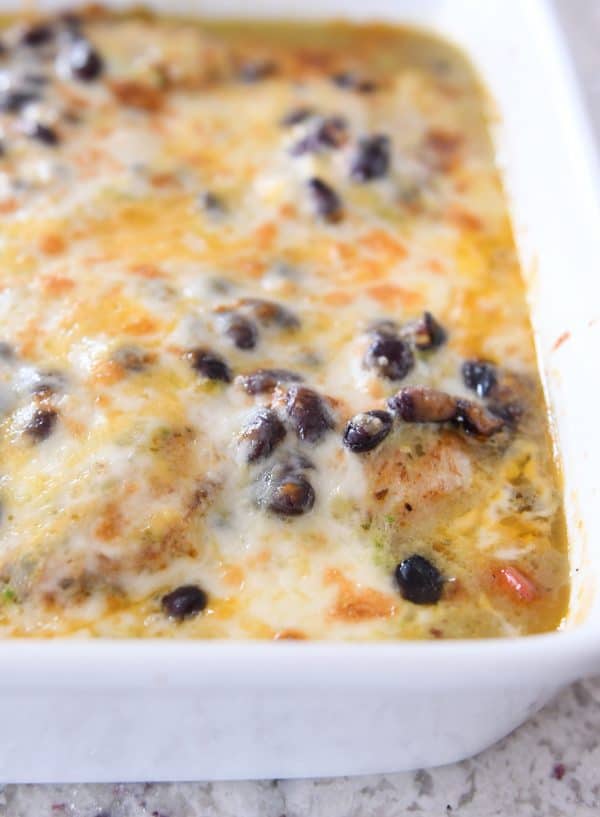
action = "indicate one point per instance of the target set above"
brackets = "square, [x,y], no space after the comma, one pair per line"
[550,767]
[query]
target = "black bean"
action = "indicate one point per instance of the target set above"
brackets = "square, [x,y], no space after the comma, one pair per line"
[419,580]
[184,602]
[85,63]
[14,101]
[209,364]
[264,380]
[257,70]
[41,424]
[421,404]
[71,117]
[284,270]
[372,159]
[6,351]
[269,313]
[308,144]
[240,330]
[131,358]
[511,412]
[36,79]
[308,413]
[262,434]
[429,334]
[42,133]
[296,116]
[20,185]
[349,81]
[38,34]
[71,21]
[293,496]
[221,286]
[212,203]
[286,493]
[365,431]
[391,357]
[366,86]
[344,79]
[330,133]
[49,382]
[475,419]
[326,201]
[479,376]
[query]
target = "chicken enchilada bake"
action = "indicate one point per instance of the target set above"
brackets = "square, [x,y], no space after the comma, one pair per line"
[266,366]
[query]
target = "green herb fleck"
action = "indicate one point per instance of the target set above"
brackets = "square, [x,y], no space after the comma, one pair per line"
[8,595]
[379,552]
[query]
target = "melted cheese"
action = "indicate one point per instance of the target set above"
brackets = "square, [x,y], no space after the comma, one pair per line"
[108,255]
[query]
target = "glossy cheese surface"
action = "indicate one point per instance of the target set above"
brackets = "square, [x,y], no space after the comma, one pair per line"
[185,204]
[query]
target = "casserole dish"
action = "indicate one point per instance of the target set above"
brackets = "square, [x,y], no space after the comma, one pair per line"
[296,709]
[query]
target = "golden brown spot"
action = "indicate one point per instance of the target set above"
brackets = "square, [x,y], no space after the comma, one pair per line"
[137,95]
[159,180]
[107,372]
[288,210]
[143,326]
[338,297]
[146,270]
[382,243]
[464,219]
[261,558]
[233,575]
[376,389]
[454,589]
[445,145]
[344,252]
[200,495]
[394,295]
[28,337]
[265,235]
[75,427]
[290,635]
[252,267]
[52,244]
[56,284]
[8,206]
[355,603]
[157,554]
[436,266]
[111,522]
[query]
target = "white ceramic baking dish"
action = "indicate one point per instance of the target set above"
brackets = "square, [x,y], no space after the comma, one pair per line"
[103,710]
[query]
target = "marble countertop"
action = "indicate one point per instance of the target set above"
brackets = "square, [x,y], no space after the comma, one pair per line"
[550,767]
